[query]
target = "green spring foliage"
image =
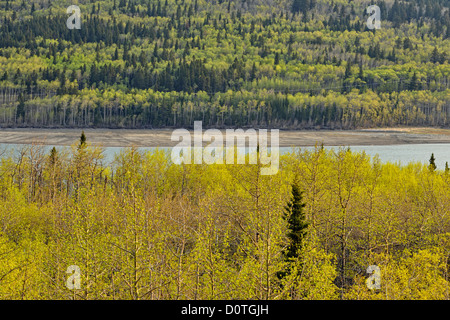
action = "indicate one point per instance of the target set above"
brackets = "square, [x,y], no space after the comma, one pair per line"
[158,63]
[144,228]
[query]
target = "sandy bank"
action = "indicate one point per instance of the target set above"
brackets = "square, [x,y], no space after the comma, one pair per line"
[162,137]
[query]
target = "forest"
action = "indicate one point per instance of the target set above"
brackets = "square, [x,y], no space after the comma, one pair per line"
[141,227]
[298,64]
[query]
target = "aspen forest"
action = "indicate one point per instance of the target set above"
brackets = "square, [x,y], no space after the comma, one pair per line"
[144,228]
[77,225]
[298,64]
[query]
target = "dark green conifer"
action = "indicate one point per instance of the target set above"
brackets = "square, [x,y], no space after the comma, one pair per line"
[295,216]
[432,165]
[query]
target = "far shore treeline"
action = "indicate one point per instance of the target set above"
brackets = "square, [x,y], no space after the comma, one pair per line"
[269,63]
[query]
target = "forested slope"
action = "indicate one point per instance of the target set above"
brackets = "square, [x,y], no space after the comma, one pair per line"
[266,63]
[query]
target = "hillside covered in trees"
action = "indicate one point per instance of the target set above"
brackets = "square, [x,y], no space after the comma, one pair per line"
[266,63]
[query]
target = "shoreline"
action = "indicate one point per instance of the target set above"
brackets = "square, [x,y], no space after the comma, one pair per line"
[288,138]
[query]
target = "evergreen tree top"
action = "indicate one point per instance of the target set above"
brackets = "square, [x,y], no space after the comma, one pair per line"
[82,139]
[432,165]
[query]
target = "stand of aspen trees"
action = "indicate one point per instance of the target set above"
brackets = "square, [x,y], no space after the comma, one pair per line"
[268,63]
[143,228]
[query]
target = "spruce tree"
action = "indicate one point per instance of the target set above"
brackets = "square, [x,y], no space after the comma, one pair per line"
[297,225]
[277,59]
[82,140]
[447,169]
[432,165]
[361,71]
[253,72]
[435,55]
[348,70]
[20,111]
[413,85]
[53,156]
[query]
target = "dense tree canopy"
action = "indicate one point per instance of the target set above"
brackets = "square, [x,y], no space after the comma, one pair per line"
[157,63]
[142,227]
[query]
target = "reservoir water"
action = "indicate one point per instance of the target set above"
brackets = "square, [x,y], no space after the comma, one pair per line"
[402,154]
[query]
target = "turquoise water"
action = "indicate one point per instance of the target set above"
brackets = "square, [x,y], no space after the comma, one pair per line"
[402,154]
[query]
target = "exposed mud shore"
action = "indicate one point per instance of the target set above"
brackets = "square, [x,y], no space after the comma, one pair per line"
[162,137]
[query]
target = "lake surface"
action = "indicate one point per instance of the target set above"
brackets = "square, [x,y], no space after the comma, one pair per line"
[402,154]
